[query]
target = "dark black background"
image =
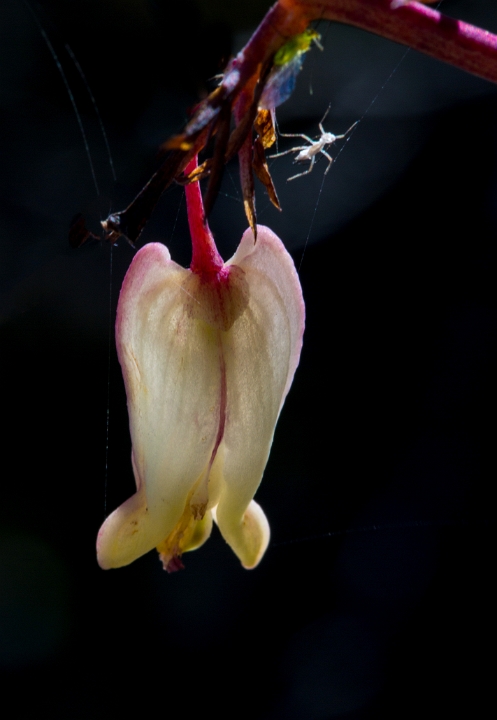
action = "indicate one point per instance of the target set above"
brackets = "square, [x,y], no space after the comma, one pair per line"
[373,600]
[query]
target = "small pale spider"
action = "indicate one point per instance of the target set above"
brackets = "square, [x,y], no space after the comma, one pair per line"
[308,153]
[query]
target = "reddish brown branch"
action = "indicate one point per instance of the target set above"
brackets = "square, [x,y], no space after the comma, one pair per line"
[453,41]
[415,25]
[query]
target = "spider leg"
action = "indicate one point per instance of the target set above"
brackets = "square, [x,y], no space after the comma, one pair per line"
[326,113]
[340,137]
[306,172]
[324,118]
[329,158]
[290,150]
[299,135]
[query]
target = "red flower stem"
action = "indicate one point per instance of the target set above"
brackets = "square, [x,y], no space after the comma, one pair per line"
[205,256]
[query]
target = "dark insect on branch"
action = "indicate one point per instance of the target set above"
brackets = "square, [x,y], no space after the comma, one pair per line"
[245,76]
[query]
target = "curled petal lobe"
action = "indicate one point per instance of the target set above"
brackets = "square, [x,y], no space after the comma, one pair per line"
[207,362]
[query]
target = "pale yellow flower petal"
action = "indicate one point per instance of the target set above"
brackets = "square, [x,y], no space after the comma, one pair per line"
[261,353]
[207,361]
[170,363]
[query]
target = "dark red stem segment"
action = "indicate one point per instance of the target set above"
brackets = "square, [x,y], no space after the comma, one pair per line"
[205,256]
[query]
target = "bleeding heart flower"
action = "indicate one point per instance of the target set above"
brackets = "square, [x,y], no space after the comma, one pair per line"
[208,355]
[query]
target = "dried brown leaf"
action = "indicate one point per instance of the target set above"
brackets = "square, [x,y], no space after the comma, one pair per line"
[262,171]
[264,127]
